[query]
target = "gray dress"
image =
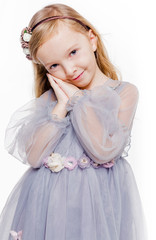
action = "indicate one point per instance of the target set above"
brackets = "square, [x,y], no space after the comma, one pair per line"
[79,185]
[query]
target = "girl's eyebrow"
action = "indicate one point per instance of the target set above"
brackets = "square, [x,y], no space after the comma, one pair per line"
[67,51]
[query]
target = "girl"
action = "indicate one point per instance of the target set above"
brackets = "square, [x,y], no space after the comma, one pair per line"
[74,135]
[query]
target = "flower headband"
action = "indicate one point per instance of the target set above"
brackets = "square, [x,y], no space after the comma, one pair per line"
[27,32]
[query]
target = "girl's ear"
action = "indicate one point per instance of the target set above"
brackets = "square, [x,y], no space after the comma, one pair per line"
[92,39]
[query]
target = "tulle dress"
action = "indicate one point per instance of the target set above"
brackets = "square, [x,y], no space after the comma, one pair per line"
[79,185]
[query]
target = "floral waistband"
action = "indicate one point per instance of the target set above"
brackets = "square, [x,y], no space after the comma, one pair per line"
[55,162]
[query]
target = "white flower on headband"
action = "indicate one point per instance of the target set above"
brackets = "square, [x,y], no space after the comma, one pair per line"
[26,37]
[26,51]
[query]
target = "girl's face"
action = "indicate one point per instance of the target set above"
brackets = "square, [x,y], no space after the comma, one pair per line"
[69,56]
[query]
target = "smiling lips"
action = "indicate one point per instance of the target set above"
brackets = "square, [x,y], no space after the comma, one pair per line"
[78,76]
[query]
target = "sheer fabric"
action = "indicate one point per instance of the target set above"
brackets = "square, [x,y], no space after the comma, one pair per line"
[33,132]
[91,203]
[102,120]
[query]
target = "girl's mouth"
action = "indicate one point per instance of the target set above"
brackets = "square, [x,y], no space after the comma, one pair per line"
[78,77]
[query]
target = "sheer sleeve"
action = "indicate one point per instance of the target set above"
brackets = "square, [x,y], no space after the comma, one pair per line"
[33,131]
[102,120]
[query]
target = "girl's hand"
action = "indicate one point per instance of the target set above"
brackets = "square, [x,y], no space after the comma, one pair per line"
[61,96]
[63,89]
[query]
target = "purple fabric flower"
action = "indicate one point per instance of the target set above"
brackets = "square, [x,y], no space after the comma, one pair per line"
[70,163]
[84,162]
[95,165]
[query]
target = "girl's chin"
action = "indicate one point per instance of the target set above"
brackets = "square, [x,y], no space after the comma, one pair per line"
[84,86]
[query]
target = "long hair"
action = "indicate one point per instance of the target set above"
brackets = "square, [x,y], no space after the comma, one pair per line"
[39,37]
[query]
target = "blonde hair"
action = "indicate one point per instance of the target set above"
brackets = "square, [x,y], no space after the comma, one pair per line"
[39,37]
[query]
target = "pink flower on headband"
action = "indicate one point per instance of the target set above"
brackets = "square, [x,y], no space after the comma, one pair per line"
[26,35]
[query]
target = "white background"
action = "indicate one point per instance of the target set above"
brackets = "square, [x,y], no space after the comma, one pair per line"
[128,31]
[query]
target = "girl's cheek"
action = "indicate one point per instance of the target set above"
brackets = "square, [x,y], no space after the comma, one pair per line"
[57,74]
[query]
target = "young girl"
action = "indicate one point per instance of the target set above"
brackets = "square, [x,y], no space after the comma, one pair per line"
[74,135]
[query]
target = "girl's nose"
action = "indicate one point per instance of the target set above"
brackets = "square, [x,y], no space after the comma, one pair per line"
[70,70]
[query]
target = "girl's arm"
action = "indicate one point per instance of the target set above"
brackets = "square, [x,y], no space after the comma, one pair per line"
[103,120]
[35,129]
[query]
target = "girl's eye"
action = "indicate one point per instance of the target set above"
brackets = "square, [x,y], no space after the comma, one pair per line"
[53,66]
[73,52]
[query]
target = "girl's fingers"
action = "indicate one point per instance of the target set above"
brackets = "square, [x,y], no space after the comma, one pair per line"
[59,81]
[53,83]
[68,88]
[60,94]
[53,80]
[50,77]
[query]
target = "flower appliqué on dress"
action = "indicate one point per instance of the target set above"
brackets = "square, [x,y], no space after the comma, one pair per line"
[70,163]
[55,162]
[16,235]
[108,164]
[84,162]
[104,165]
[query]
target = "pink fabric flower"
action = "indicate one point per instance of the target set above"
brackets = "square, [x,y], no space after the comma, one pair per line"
[108,164]
[70,163]
[16,235]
